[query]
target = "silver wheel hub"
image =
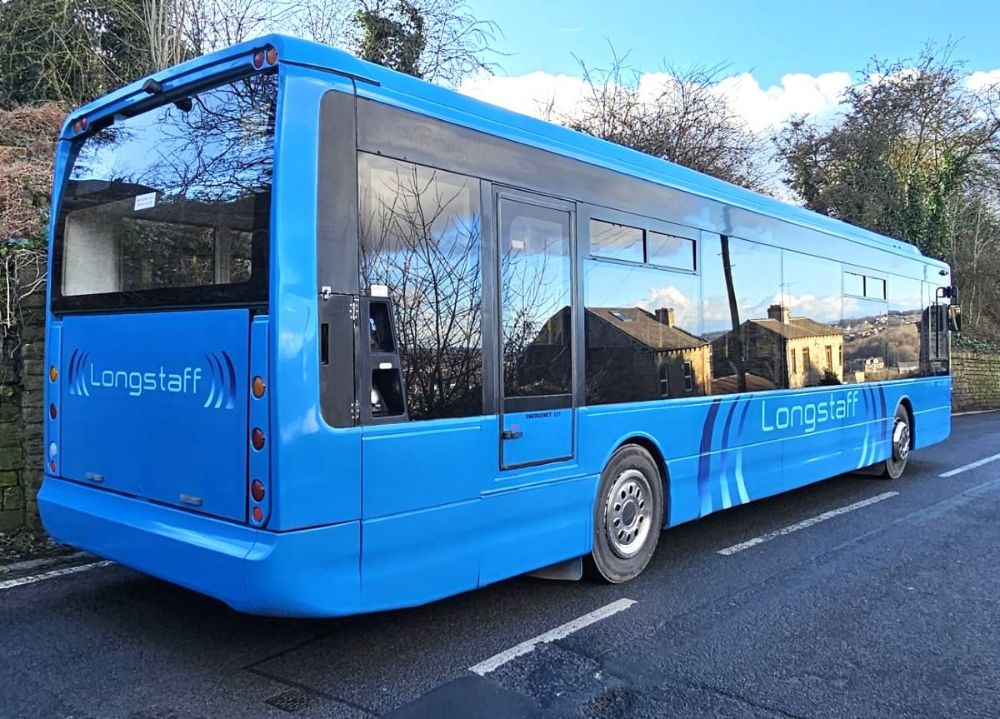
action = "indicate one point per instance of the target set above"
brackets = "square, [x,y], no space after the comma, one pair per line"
[900,441]
[628,513]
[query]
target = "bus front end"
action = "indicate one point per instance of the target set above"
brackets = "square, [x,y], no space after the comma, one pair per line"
[159,392]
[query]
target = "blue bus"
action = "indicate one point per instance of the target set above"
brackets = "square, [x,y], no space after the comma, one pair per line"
[324,339]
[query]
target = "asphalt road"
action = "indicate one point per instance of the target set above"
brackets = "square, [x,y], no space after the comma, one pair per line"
[889,610]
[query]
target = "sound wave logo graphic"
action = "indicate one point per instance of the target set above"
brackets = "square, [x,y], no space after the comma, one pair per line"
[76,378]
[223,390]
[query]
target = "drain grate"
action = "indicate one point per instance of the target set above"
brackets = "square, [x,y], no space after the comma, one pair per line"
[291,701]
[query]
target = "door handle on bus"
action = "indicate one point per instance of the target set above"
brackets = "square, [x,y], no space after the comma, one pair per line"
[512,434]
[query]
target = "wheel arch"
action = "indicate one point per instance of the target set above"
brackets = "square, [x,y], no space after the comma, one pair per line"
[906,404]
[653,447]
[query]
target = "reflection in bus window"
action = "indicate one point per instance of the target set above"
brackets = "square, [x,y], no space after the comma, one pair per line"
[905,328]
[420,237]
[615,242]
[866,329]
[811,293]
[535,286]
[641,334]
[743,316]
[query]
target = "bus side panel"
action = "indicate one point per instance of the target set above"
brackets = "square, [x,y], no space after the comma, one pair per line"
[532,527]
[931,400]
[416,465]
[715,456]
[412,558]
[316,469]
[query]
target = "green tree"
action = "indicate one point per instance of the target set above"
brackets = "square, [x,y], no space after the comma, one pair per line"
[913,142]
[392,35]
[68,51]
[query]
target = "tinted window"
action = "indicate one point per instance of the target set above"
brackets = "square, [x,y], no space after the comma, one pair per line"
[875,288]
[854,284]
[642,338]
[669,251]
[171,206]
[811,292]
[747,344]
[535,274]
[420,239]
[866,329]
[905,327]
[615,242]
[935,351]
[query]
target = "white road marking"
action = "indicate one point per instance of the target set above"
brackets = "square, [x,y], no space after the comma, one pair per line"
[806,523]
[21,581]
[498,660]
[971,465]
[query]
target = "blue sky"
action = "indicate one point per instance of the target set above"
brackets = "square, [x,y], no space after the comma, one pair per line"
[766,37]
[781,59]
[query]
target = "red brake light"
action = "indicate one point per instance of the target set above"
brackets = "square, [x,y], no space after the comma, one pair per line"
[258,59]
[257,490]
[52,411]
[257,438]
[258,514]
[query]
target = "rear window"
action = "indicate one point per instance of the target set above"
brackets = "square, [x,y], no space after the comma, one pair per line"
[171,207]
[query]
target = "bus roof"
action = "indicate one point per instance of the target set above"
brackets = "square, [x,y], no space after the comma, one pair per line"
[448,105]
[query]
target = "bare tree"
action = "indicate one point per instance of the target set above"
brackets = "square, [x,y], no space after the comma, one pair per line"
[685,120]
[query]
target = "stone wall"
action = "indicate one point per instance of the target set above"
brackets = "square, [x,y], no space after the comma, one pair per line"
[975,379]
[22,360]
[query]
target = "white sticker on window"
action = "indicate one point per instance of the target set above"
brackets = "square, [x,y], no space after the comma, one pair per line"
[379,291]
[517,244]
[144,202]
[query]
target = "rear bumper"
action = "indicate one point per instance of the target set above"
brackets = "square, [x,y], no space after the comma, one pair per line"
[306,573]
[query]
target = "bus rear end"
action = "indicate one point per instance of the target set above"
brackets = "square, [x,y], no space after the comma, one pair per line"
[158,399]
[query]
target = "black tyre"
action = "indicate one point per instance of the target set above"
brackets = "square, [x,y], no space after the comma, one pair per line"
[893,467]
[628,516]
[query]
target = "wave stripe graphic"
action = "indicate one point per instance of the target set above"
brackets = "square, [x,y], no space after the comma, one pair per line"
[231,394]
[705,458]
[741,484]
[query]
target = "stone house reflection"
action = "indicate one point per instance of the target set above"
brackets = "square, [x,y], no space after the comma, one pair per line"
[780,351]
[634,355]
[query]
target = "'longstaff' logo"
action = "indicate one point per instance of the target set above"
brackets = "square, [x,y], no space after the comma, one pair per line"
[84,377]
[809,415]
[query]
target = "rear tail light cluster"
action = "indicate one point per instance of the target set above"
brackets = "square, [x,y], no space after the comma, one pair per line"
[259,464]
[52,453]
[258,440]
[267,54]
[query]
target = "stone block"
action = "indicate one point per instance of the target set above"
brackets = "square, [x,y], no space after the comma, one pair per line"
[8,479]
[11,519]
[13,498]
[11,458]
[11,435]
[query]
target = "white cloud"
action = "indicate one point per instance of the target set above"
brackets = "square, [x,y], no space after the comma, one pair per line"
[798,94]
[528,94]
[980,80]
[763,109]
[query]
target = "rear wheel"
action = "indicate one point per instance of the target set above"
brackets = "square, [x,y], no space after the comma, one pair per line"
[628,515]
[893,467]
